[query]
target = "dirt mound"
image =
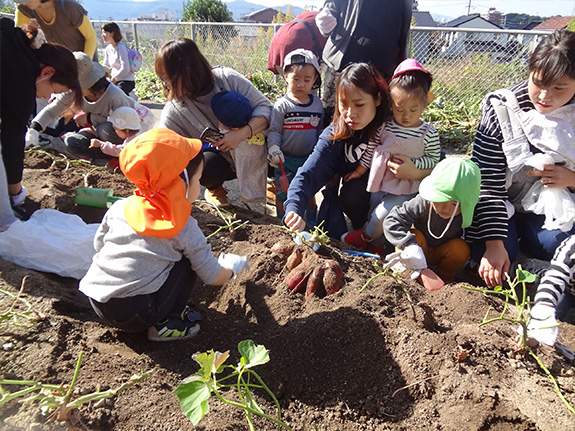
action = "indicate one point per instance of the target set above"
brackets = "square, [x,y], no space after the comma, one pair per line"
[370,360]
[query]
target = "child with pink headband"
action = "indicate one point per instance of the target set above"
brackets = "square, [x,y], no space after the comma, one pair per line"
[405,149]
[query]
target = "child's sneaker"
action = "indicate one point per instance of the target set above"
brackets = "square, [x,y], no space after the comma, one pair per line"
[18,199]
[187,325]
[377,249]
[355,239]
[217,197]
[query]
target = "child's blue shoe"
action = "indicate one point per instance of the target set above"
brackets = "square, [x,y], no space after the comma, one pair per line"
[187,325]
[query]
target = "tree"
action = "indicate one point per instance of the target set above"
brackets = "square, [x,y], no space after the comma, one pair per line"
[571,25]
[6,6]
[289,14]
[206,11]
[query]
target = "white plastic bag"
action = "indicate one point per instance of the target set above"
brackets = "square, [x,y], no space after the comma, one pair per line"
[50,241]
[556,204]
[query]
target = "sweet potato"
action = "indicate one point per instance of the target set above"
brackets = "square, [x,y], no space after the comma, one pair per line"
[297,277]
[332,276]
[294,259]
[314,282]
[284,247]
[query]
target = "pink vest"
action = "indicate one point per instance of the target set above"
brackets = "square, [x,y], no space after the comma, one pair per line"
[380,177]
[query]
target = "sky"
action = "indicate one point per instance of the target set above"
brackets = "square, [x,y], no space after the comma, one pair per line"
[456,8]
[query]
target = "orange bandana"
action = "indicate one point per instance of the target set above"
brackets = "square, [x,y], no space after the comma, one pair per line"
[153,161]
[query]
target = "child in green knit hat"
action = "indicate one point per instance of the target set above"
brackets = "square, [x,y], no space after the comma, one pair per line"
[428,228]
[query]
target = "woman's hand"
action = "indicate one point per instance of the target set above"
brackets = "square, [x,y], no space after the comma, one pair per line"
[555,177]
[351,175]
[81,119]
[231,140]
[404,168]
[494,264]
[294,221]
[95,143]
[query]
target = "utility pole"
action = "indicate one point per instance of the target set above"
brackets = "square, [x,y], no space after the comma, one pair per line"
[469,7]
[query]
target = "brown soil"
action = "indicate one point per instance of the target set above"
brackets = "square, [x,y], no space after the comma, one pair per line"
[354,360]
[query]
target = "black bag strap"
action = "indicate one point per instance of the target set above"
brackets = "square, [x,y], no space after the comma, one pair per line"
[310,28]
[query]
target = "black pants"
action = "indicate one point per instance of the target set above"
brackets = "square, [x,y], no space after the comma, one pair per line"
[354,201]
[216,170]
[78,144]
[138,313]
[126,86]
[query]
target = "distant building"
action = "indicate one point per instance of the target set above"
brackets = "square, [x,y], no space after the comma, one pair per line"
[495,17]
[421,40]
[554,23]
[457,44]
[265,16]
[160,15]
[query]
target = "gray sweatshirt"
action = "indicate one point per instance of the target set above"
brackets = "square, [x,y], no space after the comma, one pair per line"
[129,264]
[99,110]
[415,212]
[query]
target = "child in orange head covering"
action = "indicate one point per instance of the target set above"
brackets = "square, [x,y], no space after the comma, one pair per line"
[149,249]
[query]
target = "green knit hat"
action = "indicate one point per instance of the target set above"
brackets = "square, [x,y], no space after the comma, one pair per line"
[454,179]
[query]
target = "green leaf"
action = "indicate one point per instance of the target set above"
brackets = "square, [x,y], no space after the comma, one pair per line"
[253,354]
[194,395]
[206,361]
[525,276]
[497,289]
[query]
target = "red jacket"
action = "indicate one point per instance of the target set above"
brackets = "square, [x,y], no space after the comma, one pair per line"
[293,35]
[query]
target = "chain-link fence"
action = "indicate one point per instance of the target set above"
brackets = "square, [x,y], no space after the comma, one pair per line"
[466,63]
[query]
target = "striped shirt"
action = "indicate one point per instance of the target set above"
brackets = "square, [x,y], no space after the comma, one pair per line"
[559,276]
[490,218]
[432,148]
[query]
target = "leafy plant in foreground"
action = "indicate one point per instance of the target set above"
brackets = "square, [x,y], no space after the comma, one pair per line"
[14,315]
[231,222]
[523,317]
[194,391]
[59,398]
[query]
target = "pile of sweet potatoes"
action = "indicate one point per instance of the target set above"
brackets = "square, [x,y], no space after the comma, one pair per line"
[309,270]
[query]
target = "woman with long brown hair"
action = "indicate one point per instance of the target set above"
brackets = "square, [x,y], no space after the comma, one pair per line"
[190,82]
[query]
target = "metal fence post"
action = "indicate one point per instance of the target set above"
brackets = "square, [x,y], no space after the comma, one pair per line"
[136,42]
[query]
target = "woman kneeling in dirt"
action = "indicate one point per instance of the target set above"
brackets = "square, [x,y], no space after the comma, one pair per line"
[26,74]
[363,105]
[190,82]
[539,114]
[149,248]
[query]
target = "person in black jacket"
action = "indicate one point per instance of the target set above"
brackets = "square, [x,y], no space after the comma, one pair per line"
[366,31]
[26,74]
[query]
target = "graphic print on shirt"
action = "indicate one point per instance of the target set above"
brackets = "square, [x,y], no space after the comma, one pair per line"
[354,152]
[301,121]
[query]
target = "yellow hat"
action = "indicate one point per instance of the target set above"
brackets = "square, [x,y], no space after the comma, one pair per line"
[153,161]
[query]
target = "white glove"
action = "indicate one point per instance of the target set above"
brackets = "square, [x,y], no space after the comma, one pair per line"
[275,155]
[32,138]
[233,262]
[411,257]
[325,22]
[543,325]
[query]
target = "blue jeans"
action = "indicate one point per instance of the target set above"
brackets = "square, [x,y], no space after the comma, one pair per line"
[78,144]
[526,234]
[566,308]
[138,313]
